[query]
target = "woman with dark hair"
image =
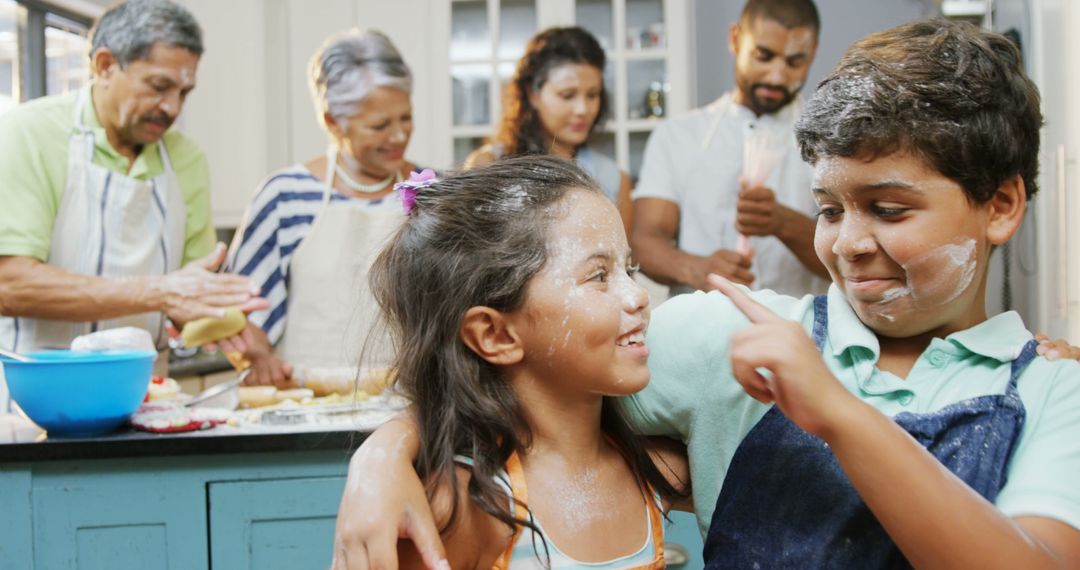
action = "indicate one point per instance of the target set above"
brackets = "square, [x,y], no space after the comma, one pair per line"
[554,103]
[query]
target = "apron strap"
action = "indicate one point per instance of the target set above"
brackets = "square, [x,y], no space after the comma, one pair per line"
[328,182]
[1027,354]
[821,320]
[166,161]
[520,498]
[80,128]
[821,323]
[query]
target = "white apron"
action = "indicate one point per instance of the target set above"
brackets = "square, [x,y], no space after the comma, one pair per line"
[108,225]
[331,309]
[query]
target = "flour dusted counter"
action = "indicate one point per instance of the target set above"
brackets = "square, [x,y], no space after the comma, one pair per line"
[216,499]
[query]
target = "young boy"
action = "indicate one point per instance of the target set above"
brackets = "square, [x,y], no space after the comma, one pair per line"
[890,422]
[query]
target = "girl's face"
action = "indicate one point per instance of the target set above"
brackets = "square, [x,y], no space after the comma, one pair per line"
[584,318]
[376,136]
[903,243]
[568,102]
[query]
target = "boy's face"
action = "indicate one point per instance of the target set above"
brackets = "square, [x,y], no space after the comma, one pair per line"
[903,243]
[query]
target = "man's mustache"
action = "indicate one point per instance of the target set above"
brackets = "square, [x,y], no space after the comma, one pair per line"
[163,119]
[787,92]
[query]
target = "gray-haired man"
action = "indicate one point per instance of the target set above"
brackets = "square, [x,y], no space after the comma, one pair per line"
[106,217]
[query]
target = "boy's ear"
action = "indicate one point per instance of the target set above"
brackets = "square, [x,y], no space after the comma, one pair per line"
[487,333]
[733,39]
[1007,207]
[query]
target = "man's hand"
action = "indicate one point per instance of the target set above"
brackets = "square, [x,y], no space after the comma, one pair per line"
[729,264]
[757,212]
[195,291]
[1056,349]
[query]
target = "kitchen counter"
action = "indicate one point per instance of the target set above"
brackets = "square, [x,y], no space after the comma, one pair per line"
[229,497]
[32,446]
[253,496]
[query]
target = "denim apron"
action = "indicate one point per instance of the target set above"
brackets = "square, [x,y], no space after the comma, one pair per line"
[786,503]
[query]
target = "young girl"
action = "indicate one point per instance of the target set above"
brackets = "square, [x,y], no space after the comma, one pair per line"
[509,296]
[555,101]
[897,424]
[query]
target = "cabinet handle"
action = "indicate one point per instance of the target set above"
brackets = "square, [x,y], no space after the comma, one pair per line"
[1063,234]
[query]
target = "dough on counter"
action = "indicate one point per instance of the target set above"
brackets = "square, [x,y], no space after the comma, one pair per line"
[344,380]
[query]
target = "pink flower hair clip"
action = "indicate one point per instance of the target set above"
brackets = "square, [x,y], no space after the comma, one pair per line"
[408,189]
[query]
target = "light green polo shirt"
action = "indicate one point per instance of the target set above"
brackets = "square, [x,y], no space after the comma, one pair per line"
[33,173]
[692,395]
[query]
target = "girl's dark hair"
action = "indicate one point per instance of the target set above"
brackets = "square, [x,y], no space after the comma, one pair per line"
[477,238]
[947,92]
[520,131]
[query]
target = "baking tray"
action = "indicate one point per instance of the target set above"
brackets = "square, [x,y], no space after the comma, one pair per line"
[371,412]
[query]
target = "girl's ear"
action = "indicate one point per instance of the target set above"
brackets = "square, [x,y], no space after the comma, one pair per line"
[487,333]
[1007,207]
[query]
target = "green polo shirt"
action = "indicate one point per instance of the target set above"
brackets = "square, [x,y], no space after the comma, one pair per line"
[34,140]
[692,395]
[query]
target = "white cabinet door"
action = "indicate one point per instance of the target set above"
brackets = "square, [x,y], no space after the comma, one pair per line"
[1056,69]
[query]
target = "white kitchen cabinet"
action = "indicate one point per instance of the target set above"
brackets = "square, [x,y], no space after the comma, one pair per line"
[648,49]
[1055,67]
[252,112]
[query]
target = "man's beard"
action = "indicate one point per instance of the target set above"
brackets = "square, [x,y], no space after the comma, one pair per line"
[768,106]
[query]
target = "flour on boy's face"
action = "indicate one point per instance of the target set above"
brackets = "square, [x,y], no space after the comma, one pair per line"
[902,242]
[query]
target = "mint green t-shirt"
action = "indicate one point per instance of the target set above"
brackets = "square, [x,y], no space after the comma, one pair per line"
[692,395]
[33,173]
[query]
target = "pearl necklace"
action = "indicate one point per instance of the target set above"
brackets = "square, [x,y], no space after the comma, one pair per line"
[365,188]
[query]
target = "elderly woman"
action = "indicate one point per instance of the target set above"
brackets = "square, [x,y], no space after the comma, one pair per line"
[312,230]
[554,103]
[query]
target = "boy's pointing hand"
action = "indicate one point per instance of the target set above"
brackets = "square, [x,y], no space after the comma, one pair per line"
[776,361]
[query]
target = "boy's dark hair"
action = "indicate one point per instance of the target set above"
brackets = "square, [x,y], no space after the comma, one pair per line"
[520,131]
[788,13]
[477,238]
[947,92]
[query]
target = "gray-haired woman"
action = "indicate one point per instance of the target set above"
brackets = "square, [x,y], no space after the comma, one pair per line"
[312,230]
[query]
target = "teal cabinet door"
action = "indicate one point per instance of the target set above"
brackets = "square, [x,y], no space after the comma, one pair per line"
[16,538]
[119,521]
[283,524]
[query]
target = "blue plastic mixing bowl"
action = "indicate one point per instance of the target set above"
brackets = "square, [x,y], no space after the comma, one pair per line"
[79,394]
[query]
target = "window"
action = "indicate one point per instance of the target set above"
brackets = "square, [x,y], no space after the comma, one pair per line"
[43,51]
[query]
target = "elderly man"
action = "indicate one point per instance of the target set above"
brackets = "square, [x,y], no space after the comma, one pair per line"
[696,195]
[106,218]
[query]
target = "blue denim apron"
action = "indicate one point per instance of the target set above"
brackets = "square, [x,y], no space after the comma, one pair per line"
[786,503]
